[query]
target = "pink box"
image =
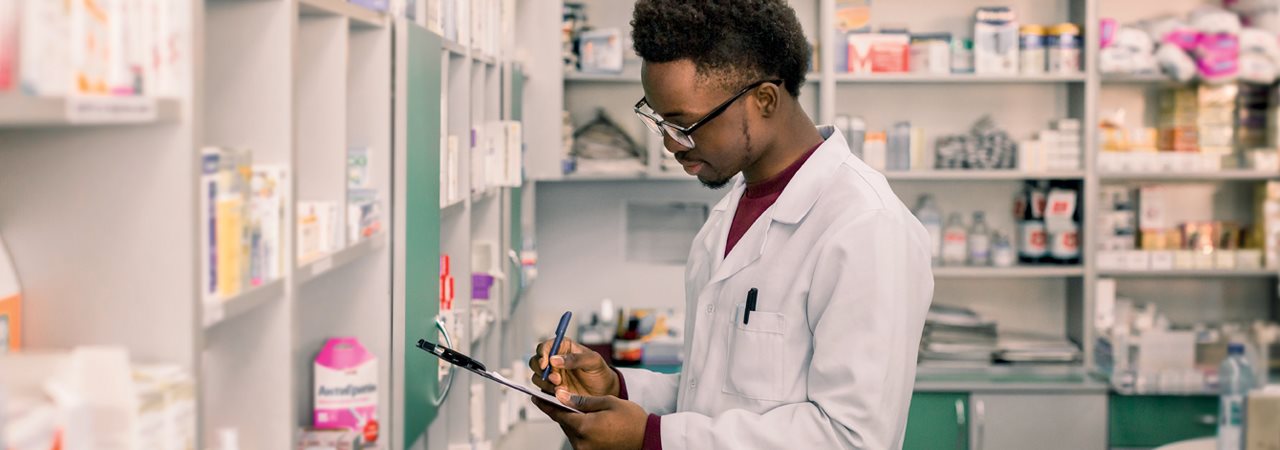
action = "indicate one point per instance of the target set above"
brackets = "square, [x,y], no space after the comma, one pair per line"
[878,53]
[346,388]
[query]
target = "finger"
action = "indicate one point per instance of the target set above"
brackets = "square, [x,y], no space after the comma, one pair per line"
[555,378]
[556,413]
[543,348]
[543,385]
[587,360]
[585,403]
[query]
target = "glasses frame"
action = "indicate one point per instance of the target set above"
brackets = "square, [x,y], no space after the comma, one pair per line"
[661,126]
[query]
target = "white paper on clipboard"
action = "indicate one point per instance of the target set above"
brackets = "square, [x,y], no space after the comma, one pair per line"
[495,376]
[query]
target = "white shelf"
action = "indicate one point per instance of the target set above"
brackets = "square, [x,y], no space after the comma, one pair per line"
[486,59]
[219,311]
[1047,271]
[1224,175]
[908,78]
[980,175]
[1154,78]
[600,77]
[454,48]
[319,266]
[454,204]
[485,195]
[1191,273]
[17,110]
[654,176]
[359,15]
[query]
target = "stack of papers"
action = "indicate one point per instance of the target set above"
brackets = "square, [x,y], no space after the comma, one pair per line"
[957,334]
[1031,348]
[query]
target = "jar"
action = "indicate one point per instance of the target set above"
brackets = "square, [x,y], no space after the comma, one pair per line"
[1063,43]
[1031,59]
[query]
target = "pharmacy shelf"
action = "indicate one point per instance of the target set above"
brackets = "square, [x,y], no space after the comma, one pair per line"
[600,77]
[485,195]
[981,175]
[18,110]
[1008,272]
[908,78]
[486,59]
[359,15]
[221,311]
[1190,273]
[658,176]
[319,266]
[1224,175]
[451,206]
[1153,78]
[454,48]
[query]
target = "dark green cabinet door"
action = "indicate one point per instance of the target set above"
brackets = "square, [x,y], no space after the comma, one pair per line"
[938,421]
[1155,420]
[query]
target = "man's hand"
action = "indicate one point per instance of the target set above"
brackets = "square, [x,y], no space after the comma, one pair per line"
[608,423]
[577,368]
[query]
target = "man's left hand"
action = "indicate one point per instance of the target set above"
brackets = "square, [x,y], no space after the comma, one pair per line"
[608,423]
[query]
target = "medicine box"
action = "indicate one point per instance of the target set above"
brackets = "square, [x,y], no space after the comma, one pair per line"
[878,52]
[995,42]
[346,388]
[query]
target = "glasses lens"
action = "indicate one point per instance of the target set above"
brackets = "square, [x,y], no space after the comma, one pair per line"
[648,122]
[680,137]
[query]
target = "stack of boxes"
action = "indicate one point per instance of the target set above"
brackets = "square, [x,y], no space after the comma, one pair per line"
[1142,235]
[1054,150]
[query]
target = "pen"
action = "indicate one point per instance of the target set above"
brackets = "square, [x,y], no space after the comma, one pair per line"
[555,345]
[751,305]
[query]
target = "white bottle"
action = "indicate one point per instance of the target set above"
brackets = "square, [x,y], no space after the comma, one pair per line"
[979,241]
[928,214]
[1235,376]
[955,242]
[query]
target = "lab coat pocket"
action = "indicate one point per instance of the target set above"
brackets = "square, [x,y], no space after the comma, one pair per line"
[755,355]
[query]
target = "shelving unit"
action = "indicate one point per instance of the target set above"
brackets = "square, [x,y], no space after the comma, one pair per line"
[1191,273]
[980,175]
[1008,272]
[18,110]
[958,79]
[220,311]
[354,252]
[358,15]
[1224,175]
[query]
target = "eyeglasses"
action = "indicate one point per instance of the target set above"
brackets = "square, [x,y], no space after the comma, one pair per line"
[684,135]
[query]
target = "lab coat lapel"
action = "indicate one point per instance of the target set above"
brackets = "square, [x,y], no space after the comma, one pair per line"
[795,202]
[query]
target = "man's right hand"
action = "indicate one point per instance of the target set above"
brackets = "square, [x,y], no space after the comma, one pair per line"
[576,368]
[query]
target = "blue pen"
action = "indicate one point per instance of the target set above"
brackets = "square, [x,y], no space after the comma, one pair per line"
[555,345]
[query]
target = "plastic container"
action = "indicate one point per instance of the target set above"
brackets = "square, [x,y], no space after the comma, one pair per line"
[930,216]
[1235,378]
[1032,58]
[1063,43]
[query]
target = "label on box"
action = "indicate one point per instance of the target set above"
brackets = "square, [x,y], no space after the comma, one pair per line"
[1184,259]
[1225,259]
[346,388]
[1162,260]
[1203,261]
[1137,260]
[1110,260]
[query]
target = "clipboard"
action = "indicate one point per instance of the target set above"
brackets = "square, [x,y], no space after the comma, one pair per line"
[466,362]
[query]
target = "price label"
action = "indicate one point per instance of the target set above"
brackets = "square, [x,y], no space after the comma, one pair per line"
[107,110]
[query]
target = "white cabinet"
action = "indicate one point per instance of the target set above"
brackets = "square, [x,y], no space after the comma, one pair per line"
[1015,421]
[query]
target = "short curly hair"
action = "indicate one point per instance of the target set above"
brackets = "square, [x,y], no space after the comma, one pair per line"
[734,42]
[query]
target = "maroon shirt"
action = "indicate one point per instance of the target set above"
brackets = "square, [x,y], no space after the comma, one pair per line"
[757,198]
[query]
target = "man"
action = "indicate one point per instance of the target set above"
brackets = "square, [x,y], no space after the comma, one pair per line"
[806,289]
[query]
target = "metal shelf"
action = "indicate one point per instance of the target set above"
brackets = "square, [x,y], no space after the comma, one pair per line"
[359,15]
[218,311]
[1224,175]
[314,269]
[980,175]
[17,110]
[485,195]
[1190,273]
[910,78]
[1008,272]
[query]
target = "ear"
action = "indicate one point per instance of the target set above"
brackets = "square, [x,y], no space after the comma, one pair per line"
[768,97]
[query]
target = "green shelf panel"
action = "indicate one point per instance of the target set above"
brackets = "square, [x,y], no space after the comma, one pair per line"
[422,227]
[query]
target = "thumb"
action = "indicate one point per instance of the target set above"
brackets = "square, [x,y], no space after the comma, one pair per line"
[585,403]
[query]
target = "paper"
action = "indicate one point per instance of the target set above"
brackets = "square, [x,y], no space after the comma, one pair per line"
[495,376]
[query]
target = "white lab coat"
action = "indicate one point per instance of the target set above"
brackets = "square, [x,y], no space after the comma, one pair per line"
[828,358]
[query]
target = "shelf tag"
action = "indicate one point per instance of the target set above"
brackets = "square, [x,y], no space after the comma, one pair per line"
[101,110]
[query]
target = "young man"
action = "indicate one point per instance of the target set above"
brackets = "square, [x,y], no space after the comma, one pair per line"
[806,289]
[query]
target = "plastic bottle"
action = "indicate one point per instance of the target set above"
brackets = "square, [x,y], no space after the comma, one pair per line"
[955,242]
[1002,252]
[930,216]
[979,241]
[1235,379]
